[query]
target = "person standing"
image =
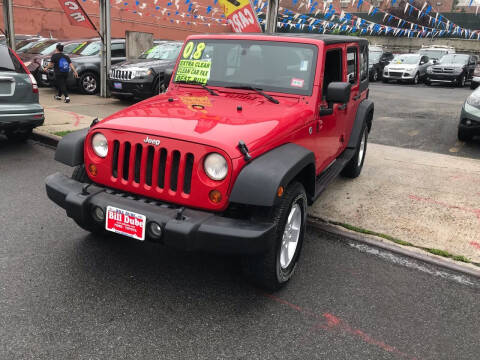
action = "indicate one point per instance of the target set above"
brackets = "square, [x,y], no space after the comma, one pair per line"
[62,65]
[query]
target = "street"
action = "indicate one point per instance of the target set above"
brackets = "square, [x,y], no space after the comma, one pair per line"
[420,117]
[66,294]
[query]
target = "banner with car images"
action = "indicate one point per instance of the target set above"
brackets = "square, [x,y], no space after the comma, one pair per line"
[241,16]
[75,14]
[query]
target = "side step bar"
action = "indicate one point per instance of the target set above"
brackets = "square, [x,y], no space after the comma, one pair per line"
[332,172]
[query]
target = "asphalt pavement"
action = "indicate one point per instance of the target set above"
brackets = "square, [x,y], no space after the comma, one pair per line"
[420,117]
[65,294]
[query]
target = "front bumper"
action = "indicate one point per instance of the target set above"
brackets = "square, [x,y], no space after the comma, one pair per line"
[448,78]
[473,114]
[398,75]
[132,88]
[476,79]
[195,230]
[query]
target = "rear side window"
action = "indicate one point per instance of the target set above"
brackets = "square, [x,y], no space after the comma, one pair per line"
[9,62]
[352,63]
[118,50]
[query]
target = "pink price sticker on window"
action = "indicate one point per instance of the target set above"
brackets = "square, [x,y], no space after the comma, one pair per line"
[297,82]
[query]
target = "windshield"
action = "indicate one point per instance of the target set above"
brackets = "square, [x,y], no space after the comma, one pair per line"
[40,47]
[89,49]
[374,56]
[268,65]
[454,59]
[162,52]
[408,59]
[26,46]
[433,54]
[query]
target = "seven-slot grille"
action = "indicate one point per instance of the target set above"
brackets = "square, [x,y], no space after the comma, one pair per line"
[152,167]
[121,74]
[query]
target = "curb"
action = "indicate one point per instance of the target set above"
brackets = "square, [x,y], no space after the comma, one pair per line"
[322,226]
[45,138]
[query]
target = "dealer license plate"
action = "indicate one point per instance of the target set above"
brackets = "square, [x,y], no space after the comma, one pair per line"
[125,223]
[44,77]
[117,85]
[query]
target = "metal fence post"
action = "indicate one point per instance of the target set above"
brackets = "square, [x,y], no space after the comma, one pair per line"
[105,31]
[271,19]
[8,22]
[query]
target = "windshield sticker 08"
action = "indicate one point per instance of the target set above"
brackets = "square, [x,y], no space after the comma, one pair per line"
[196,71]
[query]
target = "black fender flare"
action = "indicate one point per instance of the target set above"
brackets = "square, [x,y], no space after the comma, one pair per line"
[365,108]
[258,182]
[70,148]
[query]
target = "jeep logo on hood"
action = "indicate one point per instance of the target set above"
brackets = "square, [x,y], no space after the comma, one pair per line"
[155,142]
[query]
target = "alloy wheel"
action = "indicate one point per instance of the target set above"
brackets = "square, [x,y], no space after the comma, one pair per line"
[291,235]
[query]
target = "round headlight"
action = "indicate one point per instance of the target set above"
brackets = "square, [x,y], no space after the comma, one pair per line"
[215,166]
[100,145]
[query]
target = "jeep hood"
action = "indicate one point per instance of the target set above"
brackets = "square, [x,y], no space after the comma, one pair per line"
[219,121]
[144,64]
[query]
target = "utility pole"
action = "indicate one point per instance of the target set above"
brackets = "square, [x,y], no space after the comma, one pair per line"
[271,18]
[105,53]
[8,23]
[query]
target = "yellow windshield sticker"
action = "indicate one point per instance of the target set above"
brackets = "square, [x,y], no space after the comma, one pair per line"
[195,71]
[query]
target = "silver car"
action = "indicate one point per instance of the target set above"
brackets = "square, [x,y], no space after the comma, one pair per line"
[407,67]
[20,111]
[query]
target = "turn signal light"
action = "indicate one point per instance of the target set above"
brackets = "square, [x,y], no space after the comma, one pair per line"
[280,191]
[215,196]
[92,169]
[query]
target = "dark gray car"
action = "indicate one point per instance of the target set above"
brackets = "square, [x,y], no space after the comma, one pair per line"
[20,111]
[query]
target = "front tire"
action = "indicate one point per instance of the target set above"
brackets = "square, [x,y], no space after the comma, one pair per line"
[374,76]
[464,135]
[415,79]
[355,165]
[473,85]
[461,81]
[274,269]
[88,83]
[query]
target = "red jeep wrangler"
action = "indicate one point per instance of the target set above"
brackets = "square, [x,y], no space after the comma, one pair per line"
[251,130]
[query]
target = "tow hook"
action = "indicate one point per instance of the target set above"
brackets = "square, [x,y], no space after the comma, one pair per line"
[244,150]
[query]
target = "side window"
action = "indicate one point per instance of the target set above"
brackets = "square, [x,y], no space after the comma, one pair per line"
[364,64]
[352,65]
[333,68]
[118,50]
[424,59]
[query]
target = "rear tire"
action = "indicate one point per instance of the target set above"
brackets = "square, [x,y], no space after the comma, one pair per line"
[274,269]
[19,135]
[355,165]
[88,83]
[464,135]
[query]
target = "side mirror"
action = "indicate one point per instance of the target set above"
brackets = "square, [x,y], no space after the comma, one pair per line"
[338,92]
[435,61]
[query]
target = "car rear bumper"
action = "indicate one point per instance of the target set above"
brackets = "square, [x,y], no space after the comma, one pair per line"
[18,117]
[141,89]
[190,230]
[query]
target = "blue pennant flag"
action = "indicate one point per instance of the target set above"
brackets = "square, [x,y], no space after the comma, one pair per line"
[374,11]
[428,9]
[209,8]
[360,2]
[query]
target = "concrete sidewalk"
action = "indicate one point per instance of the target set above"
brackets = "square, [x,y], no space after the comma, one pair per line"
[78,114]
[427,199]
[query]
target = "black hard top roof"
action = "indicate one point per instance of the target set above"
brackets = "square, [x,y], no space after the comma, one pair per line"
[327,39]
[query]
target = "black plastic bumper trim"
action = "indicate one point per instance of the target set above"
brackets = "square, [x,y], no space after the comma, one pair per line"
[196,231]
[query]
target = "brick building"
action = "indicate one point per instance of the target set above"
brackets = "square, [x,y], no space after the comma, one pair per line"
[46,17]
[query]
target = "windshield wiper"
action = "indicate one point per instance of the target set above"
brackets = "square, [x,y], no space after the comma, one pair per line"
[258,90]
[212,92]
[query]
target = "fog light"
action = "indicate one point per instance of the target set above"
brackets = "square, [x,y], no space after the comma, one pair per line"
[92,169]
[98,214]
[155,230]
[215,196]
[468,122]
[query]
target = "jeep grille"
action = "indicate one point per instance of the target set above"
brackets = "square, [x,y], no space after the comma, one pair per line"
[147,165]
